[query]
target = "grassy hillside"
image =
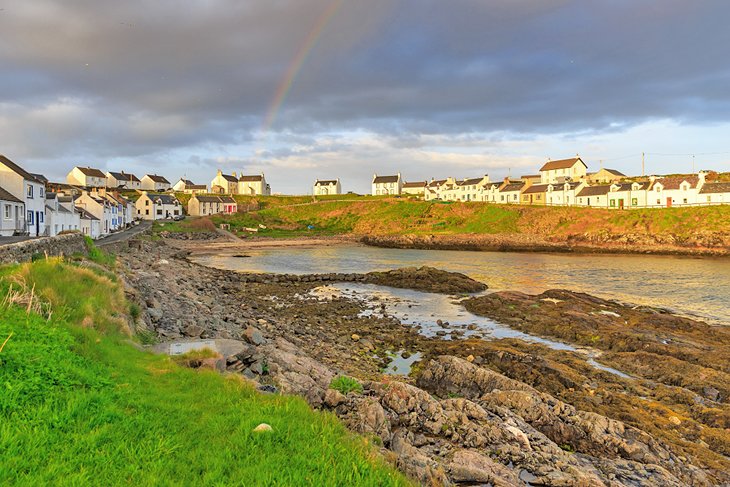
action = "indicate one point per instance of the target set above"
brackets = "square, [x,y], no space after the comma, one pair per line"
[79,405]
[403,216]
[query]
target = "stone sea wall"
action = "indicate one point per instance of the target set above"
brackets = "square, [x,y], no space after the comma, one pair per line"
[51,246]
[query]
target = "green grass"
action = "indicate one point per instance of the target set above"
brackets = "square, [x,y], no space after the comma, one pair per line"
[345,385]
[80,406]
[95,254]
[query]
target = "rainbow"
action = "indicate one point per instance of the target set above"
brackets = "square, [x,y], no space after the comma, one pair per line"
[291,73]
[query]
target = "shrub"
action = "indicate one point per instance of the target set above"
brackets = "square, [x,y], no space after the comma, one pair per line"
[345,384]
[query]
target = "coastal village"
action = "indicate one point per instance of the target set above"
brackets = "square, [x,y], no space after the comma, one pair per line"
[98,203]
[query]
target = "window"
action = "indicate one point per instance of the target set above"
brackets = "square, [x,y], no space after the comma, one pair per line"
[147,212]
[30,191]
[8,213]
[684,201]
[709,199]
[30,217]
[634,201]
[502,198]
[147,203]
[613,203]
[40,216]
[159,212]
[658,201]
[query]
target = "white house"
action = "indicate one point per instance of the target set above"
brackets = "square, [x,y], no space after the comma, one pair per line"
[86,176]
[202,205]
[151,206]
[323,187]
[98,206]
[122,180]
[415,188]
[510,192]
[253,185]
[714,193]
[594,196]
[387,185]
[188,187]
[433,189]
[563,194]
[605,176]
[674,190]
[90,225]
[29,189]
[59,218]
[12,214]
[153,182]
[491,191]
[572,169]
[627,195]
[224,183]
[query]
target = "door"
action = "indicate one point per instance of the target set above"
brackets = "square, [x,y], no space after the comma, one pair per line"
[669,202]
[620,204]
[37,224]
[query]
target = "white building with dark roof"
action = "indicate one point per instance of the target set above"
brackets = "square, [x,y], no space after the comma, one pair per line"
[30,190]
[253,185]
[153,206]
[153,182]
[12,214]
[59,217]
[572,169]
[204,205]
[414,188]
[122,180]
[88,177]
[188,187]
[714,193]
[387,185]
[224,183]
[324,187]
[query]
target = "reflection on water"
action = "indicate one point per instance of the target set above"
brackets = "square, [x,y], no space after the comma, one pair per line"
[699,286]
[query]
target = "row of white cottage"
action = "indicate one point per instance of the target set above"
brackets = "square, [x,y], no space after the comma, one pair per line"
[566,182]
[27,208]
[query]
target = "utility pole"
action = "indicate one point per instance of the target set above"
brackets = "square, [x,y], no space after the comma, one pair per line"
[643,173]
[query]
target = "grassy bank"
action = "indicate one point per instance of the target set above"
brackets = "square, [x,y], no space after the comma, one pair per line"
[79,405]
[378,216]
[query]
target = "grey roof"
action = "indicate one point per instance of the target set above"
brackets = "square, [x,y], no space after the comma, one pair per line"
[6,196]
[561,164]
[251,178]
[40,177]
[92,172]
[537,188]
[229,178]
[595,190]
[469,182]
[19,170]
[385,179]
[712,188]
[214,199]
[122,176]
[512,187]
[416,184]
[325,182]
[165,199]
[157,179]
[85,215]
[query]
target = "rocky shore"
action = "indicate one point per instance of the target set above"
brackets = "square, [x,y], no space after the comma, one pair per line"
[710,245]
[473,411]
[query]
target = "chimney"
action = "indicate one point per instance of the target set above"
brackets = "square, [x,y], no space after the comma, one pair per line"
[234,174]
[220,172]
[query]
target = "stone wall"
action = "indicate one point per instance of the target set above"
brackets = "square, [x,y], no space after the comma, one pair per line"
[53,246]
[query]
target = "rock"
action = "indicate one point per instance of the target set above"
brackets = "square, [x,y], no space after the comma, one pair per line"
[355,337]
[267,389]
[333,398]
[193,331]
[254,336]
[468,466]
[470,358]
[263,427]
[711,393]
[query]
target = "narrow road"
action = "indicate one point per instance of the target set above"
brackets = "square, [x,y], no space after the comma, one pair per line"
[125,235]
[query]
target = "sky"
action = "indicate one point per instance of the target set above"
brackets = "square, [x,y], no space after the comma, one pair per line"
[306,89]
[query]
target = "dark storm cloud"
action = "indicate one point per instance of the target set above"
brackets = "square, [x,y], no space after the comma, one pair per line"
[138,79]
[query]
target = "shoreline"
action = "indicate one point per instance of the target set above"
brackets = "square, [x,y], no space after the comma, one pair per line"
[298,343]
[462,242]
